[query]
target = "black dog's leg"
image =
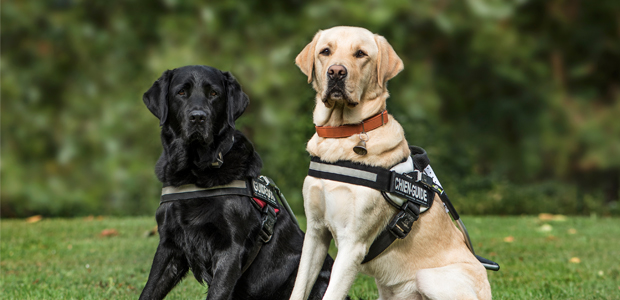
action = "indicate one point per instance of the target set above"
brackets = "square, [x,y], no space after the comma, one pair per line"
[226,272]
[320,285]
[169,267]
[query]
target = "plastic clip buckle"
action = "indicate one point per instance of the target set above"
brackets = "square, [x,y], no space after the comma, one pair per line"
[267,224]
[427,180]
[417,175]
[266,180]
[402,222]
[270,183]
[424,179]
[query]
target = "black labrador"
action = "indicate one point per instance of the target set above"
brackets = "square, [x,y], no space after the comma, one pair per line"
[197,107]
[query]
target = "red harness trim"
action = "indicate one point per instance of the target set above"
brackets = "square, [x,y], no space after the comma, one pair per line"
[262,204]
[343,131]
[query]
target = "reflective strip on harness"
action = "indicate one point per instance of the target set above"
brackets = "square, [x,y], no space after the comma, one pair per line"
[193,188]
[350,172]
[404,185]
[191,191]
[321,167]
[259,190]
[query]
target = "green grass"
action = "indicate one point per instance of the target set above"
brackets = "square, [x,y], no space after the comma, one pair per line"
[68,259]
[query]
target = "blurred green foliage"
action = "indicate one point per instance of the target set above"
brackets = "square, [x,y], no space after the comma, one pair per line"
[517,102]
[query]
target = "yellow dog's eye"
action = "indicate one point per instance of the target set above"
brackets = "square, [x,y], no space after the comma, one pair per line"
[360,54]
[181,92]
[325,52]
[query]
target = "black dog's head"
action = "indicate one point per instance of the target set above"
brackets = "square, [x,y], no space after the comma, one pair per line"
[198,104]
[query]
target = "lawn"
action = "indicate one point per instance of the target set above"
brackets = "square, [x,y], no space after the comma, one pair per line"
[541,258]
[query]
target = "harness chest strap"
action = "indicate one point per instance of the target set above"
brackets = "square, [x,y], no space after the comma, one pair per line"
[416,187]
[258,189]
[254,187]
[263,192]
[413,191]
[412,186]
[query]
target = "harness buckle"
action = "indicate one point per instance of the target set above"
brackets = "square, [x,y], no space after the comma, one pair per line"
[428,182]
[270,183]
[418,175]
[219,160]
[402,222]
[267,224]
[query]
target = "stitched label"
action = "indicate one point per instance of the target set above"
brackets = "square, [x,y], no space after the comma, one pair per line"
[405,186]
[263,192]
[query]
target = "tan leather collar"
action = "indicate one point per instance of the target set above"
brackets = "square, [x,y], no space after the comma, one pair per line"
[348,130]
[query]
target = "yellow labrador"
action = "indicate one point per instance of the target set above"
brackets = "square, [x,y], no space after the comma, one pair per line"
[349,68]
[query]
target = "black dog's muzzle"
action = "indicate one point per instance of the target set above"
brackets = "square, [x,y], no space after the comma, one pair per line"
[197,117]
[196,126]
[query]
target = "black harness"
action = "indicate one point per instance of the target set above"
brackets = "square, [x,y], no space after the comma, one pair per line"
[417,187]
[264,196]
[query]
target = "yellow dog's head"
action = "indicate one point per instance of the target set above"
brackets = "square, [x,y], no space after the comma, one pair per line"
[348,64]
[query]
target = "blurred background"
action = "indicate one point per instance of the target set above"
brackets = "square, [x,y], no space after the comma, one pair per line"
[517,102]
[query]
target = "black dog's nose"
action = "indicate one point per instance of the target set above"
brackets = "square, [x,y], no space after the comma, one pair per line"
[337,72]
[197,116]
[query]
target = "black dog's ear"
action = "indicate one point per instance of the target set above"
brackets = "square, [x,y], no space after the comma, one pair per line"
[156,97]
[237,99]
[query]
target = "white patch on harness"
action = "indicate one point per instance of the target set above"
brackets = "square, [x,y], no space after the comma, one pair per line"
[429,171]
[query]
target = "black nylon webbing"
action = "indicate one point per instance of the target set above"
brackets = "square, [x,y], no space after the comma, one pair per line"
[383,240]
[449,206]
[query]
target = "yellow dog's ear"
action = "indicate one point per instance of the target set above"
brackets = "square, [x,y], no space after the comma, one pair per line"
[388,62]
[305,59]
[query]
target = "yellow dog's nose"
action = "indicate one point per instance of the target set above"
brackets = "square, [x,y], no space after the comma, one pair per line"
[337,72]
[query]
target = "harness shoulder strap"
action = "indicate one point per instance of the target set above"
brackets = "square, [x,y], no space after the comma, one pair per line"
[399,227]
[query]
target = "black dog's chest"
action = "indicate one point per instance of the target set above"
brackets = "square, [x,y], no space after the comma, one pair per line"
[204,228]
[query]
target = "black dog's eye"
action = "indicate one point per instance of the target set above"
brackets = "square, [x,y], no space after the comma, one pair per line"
[213,93]
[325,52]
[360,54]
[181,92]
